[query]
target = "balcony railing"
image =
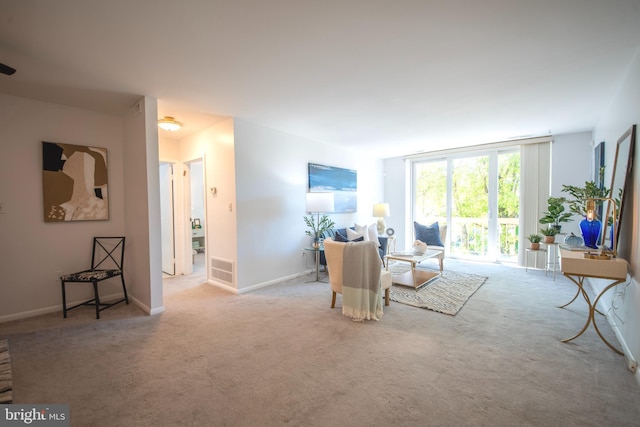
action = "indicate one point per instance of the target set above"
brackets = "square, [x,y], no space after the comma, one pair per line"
[469,237]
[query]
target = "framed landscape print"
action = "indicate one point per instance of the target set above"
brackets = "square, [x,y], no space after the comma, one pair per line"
[74,183]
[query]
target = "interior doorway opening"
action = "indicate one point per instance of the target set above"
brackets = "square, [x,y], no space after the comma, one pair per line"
[183,223]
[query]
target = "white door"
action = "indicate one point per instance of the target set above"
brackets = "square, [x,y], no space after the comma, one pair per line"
[166,219]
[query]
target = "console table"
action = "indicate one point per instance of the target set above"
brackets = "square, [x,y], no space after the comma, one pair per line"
[576,267]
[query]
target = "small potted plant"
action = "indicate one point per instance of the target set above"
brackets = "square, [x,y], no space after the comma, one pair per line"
[324,223]
[555,213]
[535,241]
[549,234]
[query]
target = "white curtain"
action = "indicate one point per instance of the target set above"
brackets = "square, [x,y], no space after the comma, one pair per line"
[535,182]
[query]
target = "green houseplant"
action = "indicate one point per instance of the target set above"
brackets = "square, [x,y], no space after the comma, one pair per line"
[555,213]
[579,196]
[323,224]
[549,234]
[535,241]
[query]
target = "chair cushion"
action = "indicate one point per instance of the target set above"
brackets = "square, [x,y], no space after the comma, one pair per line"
[429,234]
[90,275]
[385,279]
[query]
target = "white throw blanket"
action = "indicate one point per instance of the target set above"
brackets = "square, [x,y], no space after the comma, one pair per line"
[361,292]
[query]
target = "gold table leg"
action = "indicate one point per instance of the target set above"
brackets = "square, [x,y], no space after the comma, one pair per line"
[595,325]
[592,309]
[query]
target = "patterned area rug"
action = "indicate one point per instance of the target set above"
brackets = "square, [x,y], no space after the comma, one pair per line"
[446,294]
[5,372]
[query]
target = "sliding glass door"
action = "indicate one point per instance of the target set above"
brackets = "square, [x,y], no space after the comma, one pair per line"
[477,196]
[470,207]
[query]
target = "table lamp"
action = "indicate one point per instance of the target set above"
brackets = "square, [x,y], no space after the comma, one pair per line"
[381,211]
[590,205]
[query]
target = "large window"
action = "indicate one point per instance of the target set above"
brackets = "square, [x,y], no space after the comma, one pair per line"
[477,196]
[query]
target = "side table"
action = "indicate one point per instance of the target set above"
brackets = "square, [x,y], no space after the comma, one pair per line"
[535,262]
[552,257]
[317,253]
[391,240]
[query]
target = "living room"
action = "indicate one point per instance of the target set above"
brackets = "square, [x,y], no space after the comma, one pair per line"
[255,215]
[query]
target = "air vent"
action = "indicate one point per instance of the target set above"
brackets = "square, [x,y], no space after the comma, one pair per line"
[222,270]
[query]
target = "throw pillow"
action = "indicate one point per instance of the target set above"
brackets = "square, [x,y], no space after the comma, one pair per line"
[362,230]
[373,233]
[338,237]
[430,234]
[352,236]
[369,232]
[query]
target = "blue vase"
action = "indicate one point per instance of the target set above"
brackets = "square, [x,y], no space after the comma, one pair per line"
[591,232]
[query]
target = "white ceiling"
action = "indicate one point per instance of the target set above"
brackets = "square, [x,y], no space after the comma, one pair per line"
[388,76]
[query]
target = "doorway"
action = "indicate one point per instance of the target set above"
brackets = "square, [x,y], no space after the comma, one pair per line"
[183,225]
[197,215]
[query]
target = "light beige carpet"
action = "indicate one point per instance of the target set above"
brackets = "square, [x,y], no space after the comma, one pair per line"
[445,294]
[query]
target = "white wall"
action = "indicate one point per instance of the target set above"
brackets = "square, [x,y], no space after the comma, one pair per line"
[142,206]
[623,112]
[216,146]
[396,194]
[32,251]
[572,164]
[272,179]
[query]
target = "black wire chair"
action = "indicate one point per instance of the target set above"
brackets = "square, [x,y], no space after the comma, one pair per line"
[107,260]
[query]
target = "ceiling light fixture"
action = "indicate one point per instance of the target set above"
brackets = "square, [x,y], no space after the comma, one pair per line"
[169,123]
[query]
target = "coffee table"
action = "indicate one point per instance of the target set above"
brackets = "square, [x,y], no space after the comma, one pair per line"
[415,278]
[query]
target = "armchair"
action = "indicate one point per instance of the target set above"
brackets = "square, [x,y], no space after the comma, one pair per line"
[355,271]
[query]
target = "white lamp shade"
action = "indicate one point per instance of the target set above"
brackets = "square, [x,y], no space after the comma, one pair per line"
[320,202]
[381,210]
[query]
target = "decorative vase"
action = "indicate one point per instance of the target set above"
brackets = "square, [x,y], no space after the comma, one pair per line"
[573,240]
[590,232]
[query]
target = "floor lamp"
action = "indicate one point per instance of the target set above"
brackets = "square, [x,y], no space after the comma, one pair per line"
[318,203]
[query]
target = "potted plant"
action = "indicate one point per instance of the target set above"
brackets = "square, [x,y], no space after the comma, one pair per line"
[555,213]
[323,224]
[549,234]
[535,241]
[581,194]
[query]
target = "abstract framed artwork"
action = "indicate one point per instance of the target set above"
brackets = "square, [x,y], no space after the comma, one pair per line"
[74,183]
[598,165]
[343,183]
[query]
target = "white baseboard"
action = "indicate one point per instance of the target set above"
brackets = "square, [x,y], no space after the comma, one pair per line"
[259,285]
[31,313]
[58,308]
